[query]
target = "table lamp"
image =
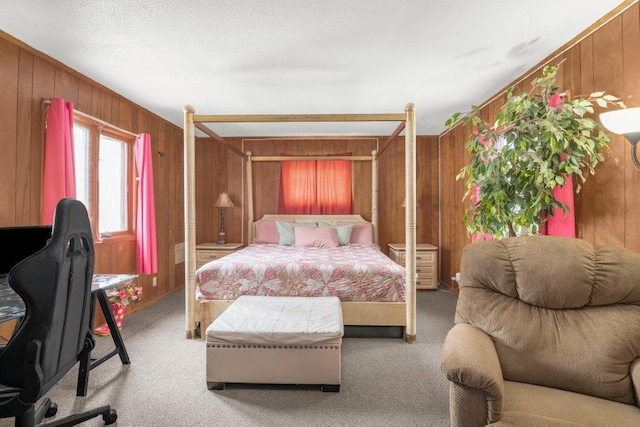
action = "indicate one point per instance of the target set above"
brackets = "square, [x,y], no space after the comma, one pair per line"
[223,203]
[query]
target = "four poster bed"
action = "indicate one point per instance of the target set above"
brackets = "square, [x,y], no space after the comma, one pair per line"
[374,291]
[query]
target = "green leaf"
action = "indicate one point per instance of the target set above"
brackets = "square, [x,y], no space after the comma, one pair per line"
[515,179]
[453,120]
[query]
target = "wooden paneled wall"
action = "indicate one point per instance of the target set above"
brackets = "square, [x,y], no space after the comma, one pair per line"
[26,77]
[219,169]
[607,207]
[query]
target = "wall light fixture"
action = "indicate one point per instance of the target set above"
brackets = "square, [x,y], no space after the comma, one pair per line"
[625,122]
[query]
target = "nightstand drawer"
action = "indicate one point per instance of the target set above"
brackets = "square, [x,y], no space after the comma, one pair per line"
[426,283]
[207,252]
[203,257]
[426,257]
[425,269]
[421,257]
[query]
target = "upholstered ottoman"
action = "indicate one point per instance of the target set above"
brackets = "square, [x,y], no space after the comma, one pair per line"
[276,340]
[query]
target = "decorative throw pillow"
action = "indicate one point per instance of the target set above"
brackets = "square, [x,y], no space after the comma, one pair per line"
[325,237]
[362,233]
[343,231]
[286,233]
[266,232]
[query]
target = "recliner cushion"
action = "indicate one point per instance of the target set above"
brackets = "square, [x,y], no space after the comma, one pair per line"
[531,405]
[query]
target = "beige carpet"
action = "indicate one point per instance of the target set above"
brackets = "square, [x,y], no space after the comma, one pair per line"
[385,381]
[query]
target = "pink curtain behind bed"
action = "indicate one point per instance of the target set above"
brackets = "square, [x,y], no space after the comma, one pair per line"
[334,186]
[59,170]
[146,247]
[310,187]
[297,187]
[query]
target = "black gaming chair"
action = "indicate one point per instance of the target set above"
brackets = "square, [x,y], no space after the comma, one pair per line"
[55,284]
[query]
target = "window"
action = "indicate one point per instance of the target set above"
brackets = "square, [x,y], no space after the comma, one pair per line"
[315,187]
[104,175]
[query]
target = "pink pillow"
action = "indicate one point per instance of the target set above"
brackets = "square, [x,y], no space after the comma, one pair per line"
[362,233]
[324,237]
[266,232]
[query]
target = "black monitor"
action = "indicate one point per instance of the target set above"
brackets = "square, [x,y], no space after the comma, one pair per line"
[18,243]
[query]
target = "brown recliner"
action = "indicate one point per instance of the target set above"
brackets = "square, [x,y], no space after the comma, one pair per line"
[547,333]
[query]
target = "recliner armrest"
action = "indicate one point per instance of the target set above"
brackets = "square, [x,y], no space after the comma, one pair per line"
[469,358]
[635,379]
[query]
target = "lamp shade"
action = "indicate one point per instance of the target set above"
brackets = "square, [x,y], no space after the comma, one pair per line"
[624,122]
[223,201]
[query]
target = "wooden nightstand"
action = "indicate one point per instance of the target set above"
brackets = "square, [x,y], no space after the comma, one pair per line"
[426,263]
[206,252]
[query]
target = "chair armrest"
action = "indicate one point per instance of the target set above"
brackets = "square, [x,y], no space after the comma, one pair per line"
[469,358]
[635,379]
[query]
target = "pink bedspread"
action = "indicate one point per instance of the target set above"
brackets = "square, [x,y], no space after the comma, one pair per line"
[358,272]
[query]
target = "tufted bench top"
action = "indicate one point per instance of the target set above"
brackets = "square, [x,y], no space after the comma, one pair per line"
[266,320]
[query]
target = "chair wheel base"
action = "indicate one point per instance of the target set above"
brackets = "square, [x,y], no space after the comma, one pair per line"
[110,417]
[51,410]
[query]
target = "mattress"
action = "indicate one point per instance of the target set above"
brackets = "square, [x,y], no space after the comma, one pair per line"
[356,272]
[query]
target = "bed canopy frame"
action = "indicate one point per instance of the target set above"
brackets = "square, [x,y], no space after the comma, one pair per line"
[407,122]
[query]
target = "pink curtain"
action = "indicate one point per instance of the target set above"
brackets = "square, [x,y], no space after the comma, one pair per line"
[558,224]
[475,195]
[315,187]
[297,187]
[59,169]
[146,247]
[334,186]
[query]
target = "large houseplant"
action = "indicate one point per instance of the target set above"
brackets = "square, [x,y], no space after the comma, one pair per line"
[537,139]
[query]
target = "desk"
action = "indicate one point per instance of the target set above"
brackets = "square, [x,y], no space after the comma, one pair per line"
[11,309]
[102,283]
[12,306]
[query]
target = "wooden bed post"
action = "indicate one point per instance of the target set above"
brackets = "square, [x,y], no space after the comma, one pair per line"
[373,316]
[374,195]
[190,222]
[410,221]
[249,198]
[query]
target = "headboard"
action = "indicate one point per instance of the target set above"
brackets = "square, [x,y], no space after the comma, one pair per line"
[330,219]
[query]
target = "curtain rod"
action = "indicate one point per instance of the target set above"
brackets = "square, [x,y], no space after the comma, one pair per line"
[304,158]
[46,102]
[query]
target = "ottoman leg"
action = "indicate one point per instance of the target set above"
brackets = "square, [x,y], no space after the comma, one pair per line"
[215,386]
[330,388]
